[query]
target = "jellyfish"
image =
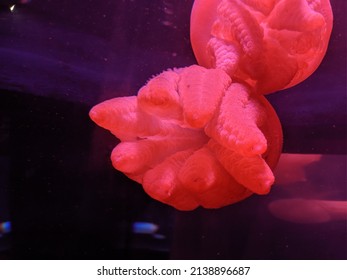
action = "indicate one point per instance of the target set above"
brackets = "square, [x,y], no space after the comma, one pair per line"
[192,137]
[292,168]
[205,135]
[309,211]
[270,44]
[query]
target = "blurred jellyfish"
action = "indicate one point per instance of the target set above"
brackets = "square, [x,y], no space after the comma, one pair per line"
[291,167]
[309,211]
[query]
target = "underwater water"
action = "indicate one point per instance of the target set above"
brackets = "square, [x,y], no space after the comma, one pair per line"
[57,185]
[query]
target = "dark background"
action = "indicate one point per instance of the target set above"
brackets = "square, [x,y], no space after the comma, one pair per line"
[57,186]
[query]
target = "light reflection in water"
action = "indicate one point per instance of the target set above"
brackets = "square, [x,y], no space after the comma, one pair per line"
[291,167]
[308,200]
[308,211]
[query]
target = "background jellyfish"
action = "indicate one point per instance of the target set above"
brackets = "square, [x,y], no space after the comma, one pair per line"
[205,135]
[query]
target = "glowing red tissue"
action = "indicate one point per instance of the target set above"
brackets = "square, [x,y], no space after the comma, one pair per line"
[192,137]
[205,135]
[270,44]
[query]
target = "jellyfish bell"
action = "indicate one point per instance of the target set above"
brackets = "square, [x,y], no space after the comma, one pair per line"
[248,39]
[193,138]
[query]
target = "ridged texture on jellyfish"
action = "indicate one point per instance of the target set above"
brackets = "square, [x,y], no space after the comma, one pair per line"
[236,124]
[236,24]
[139,156]
[225,56]
[211,184]
[122,117]
[160,97]
[295,15]
[201,90]
[162,183]
[251,172]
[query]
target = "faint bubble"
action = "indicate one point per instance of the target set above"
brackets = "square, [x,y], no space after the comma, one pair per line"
[166,23]
[159,236]
[5,227]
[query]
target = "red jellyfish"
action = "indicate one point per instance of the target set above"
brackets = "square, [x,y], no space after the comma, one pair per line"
[270,44]
[204,135]
[192,137]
